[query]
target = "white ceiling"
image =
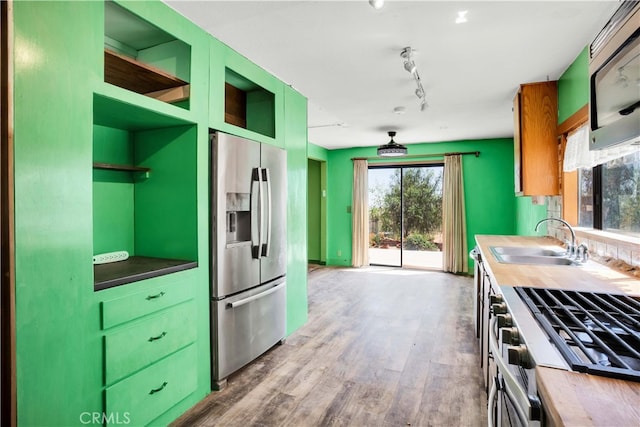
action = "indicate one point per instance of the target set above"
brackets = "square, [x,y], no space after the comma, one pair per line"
[344,56]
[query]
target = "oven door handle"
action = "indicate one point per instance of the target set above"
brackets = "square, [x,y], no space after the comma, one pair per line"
[512,387]
[493,394]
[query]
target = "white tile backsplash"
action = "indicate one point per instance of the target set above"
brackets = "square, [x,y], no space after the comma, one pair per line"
[605,247]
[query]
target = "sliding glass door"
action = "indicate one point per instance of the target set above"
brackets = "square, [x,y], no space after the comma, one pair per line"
[405,216]
[385,216]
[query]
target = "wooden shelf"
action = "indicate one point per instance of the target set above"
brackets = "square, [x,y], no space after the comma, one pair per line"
[127,73]
[134,269]
[123,168]
[235,106]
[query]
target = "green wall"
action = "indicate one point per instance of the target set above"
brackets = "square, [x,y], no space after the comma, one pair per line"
[317,153]
[488,181]
[573,87]
[62,106]
[527,216]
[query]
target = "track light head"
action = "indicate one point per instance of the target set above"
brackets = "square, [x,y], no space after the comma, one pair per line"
[410,66]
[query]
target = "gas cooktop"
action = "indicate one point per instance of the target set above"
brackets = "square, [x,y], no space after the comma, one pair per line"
[597,333]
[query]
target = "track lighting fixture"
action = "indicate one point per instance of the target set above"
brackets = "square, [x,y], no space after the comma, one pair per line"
[392,148]
[410,66]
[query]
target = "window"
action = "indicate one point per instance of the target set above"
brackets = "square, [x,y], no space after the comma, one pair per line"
[621,194]
[609,192]
[585,197]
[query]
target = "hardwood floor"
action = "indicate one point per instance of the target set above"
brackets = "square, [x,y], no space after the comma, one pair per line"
[382,347]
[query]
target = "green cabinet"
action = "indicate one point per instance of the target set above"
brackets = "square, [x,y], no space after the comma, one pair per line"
[141,397]
[68,116]
[144,342]
[132,306]
[150,352]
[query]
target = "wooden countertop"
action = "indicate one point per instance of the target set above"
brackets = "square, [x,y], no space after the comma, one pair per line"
[590,276]
[572,398]
[577,399]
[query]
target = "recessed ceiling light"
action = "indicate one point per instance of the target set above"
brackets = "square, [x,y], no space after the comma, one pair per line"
[376,4]
[461,17]
[399,110]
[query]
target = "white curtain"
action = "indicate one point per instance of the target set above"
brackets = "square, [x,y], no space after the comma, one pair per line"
[577,154]
[360,214]
[454,236]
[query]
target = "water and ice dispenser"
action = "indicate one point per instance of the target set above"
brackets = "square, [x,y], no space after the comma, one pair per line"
[238,218]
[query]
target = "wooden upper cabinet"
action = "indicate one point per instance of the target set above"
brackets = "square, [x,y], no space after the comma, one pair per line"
[535,110]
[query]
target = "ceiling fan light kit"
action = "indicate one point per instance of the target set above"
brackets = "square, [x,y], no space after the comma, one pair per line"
[392,148]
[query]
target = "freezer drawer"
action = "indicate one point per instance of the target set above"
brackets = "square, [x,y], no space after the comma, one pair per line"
[246,325]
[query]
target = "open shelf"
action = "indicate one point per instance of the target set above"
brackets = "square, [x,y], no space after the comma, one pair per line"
[248,105]
[142,58]
[127,73]
[123,168]
[153,217]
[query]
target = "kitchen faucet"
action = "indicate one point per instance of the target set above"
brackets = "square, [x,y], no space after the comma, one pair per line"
[571,249]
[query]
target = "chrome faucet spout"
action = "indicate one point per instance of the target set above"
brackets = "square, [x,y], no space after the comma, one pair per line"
[571,230]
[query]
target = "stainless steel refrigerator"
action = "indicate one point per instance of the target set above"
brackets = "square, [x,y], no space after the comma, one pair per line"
[248,251]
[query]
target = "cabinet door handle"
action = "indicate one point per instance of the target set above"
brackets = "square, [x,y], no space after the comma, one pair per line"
[159,389]
[152,339]
[150,297]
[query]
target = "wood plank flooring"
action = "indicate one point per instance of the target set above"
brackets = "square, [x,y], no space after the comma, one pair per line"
[382,347]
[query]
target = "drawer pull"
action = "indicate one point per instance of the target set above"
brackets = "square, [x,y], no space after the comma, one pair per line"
[159,389]
[150,297]
[152,339]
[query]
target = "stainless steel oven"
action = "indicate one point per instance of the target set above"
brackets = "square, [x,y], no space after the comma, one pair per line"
[517,345]
[594,333]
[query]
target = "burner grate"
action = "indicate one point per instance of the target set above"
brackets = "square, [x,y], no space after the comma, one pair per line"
[596,333]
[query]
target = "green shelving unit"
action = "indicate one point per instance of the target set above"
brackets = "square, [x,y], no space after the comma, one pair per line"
[102,165]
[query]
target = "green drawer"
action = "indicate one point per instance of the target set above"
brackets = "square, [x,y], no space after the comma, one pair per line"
[146,395]
[133,347]
[124,309]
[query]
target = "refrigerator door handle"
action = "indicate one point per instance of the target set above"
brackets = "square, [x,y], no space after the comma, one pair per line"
[256,213]
[267,241]
[247,300]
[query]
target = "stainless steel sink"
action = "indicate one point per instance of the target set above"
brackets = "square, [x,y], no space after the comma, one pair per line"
[525,251]
[536,260]
[530,255]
